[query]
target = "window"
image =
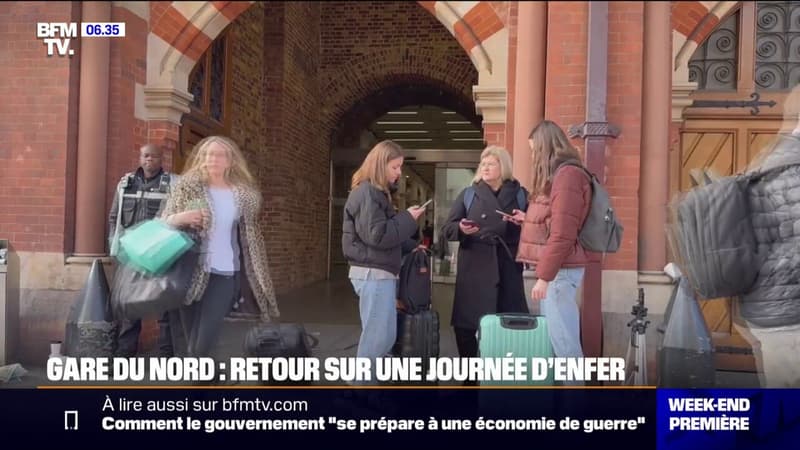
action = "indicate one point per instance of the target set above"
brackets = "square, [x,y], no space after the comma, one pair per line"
[208,81]
[777,45]
[755,48]
[714,64]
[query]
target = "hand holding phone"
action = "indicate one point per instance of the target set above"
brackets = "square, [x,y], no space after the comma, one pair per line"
[468,226]
[504,214]
[425,204]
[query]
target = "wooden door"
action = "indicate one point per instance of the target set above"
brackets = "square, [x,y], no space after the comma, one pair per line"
[723,147]
[736,113]
[194,127]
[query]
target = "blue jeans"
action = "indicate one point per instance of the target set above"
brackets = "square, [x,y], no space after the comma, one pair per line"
[378,317]
[561,310]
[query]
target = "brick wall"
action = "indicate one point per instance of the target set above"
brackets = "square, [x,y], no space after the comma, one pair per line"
[566,100]
[692,19]
[367,46]
[37,128]
[247,66]
[510,19]
[295,163]
[126,134]
[624,109]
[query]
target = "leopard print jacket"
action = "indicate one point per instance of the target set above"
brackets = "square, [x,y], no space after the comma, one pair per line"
[189,193]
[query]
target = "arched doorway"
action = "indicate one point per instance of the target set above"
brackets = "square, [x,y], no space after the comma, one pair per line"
[290,81]
[441,137]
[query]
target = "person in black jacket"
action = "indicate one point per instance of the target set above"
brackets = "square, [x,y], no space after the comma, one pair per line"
[138,197]
[373,238]
[488,279]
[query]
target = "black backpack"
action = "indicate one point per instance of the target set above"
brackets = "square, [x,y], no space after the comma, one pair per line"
[414,286]
[713,238]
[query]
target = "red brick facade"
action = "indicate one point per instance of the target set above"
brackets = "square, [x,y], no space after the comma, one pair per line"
[36,130]
[297,69]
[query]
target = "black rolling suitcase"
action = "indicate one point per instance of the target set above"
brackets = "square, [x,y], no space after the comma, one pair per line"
[417,322]
[417,335]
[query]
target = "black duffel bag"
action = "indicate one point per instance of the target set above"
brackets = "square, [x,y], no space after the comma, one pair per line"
[136,295]
[279,340]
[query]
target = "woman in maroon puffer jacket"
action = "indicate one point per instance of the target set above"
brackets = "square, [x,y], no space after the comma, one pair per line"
[559,202]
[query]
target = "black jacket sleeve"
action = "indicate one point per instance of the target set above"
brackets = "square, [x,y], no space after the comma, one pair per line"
[377,230]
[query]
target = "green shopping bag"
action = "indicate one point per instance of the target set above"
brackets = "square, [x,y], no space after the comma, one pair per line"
[152,247]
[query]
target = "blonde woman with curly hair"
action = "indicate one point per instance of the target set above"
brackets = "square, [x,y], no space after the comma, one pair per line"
[217,201]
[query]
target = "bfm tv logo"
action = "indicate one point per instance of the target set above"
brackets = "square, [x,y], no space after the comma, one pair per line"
[64,31]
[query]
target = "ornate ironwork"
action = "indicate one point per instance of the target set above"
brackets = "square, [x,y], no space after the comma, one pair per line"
[752,104]
[777,45]
[590,129]
[714,64]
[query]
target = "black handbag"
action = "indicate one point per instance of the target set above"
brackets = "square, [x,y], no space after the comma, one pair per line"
[136,295]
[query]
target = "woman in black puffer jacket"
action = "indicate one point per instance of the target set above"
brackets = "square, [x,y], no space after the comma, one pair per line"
[372,241]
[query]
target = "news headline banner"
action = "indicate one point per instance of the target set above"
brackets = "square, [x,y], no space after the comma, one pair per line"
[728,419]
[339,415]
[340,369]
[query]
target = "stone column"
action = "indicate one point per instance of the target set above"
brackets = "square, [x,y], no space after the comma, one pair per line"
[90,205]
[529,82]
[656,107]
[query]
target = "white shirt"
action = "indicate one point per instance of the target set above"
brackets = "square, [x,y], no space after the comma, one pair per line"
[220,240]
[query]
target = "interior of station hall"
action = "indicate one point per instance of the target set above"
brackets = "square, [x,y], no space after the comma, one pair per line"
[307,88]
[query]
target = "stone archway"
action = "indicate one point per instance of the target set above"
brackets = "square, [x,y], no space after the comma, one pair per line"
[181,31]
[692,22]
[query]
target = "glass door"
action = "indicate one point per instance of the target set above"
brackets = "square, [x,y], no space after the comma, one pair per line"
[451,179]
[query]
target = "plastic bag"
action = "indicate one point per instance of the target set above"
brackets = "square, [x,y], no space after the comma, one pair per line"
[152,247]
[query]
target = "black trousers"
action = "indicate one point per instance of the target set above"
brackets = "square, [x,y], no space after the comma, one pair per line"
[196,327]
[466,342]
[128,339]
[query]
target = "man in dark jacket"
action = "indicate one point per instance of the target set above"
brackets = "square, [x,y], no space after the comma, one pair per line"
[771,309]
[142,193]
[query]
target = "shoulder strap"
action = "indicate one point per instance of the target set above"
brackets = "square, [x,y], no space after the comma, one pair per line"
[591,176]
[469,196]
[114,247]
[522,200]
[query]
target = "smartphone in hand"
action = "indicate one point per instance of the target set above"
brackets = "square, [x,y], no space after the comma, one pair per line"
[469,223]
[504,214]
[426,203]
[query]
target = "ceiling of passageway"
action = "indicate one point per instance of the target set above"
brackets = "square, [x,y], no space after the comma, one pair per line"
[416,116]
[427,127]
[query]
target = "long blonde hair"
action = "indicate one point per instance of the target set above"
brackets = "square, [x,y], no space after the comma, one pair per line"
[503,157]
[237,174]
[373,169]
[549,143]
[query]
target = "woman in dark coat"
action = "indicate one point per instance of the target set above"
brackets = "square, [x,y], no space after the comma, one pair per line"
[488,279]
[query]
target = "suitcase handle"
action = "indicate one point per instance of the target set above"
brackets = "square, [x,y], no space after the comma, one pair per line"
[519,322]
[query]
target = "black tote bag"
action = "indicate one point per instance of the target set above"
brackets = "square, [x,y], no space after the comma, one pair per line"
[136,295]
